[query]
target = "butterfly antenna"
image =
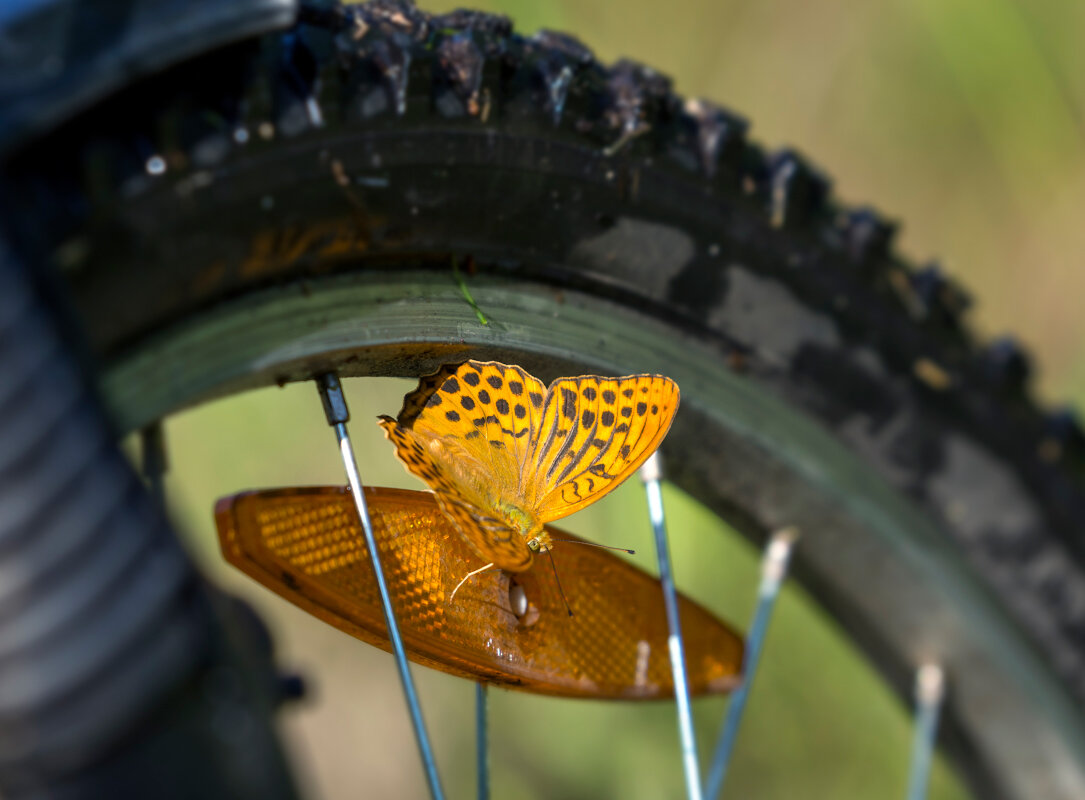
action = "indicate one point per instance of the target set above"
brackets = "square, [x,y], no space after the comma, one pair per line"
[561,591]
[596,544]
[465,578]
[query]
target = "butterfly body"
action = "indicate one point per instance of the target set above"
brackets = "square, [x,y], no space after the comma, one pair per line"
[535,536]
[504,454]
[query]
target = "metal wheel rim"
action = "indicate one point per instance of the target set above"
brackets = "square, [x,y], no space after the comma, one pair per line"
[405,323]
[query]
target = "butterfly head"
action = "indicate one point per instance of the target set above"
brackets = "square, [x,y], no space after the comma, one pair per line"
[540,542]
[526,525]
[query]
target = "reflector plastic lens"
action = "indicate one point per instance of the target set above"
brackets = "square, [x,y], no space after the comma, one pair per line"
[306,544]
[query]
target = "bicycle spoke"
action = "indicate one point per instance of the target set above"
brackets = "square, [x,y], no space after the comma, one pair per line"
[929,693]
[152,443]
[651,474]
[773,569]
[335,409]
[483,743]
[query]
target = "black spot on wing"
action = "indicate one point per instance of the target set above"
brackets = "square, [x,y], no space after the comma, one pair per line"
[536,400]
[452,416]
[608,397]
[483,396]
[451,386]
[494,381]
[568,403]
[502,405]
[470,378]
[600,471]
[516,388]
[467,403]
[589,393]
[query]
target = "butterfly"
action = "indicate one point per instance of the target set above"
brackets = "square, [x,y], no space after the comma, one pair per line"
[504,454]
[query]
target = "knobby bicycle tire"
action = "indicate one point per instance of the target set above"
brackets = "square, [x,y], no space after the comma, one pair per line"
[306,199]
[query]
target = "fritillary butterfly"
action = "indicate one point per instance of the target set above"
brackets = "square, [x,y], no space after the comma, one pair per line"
[504,454]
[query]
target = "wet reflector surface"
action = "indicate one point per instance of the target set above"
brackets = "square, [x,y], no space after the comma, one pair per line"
[306,545]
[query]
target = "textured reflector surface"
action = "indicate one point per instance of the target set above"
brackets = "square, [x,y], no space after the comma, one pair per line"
[306,544]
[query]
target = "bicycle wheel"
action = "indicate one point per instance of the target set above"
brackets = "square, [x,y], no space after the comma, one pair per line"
[296,203]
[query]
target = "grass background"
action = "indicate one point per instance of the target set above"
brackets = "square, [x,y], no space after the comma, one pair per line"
[962,117]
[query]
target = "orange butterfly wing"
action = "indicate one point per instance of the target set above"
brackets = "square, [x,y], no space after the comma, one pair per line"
[487,437]
[595,433]
[493,409]
[457,487]
[467,432]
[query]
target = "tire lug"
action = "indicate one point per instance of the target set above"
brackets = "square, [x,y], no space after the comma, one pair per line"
[294,106]
[379,82]
[1062,436]
[458,76]
[940,298]
[554,60]
[631,90]
[708,138]
[867,236]
[1006,365]
[798,191]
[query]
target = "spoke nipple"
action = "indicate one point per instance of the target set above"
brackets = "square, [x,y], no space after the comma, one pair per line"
[331,395]
[787,536]
[930,684]
[777,555]
[652,469]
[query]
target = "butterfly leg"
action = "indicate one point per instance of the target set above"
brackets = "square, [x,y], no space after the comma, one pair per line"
[465,579]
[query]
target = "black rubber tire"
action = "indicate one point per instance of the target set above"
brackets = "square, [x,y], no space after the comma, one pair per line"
[372,148]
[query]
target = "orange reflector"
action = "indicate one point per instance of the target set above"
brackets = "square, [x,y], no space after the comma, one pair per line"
[306,544]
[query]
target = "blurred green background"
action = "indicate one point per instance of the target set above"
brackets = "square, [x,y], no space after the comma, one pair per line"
[963,118]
